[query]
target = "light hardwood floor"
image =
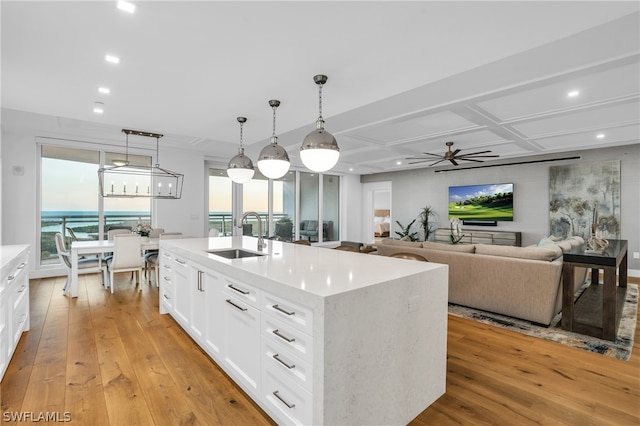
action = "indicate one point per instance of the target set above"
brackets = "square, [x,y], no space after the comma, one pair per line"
[113,360]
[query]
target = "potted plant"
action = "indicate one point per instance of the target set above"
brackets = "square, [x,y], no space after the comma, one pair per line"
[426,224]
[406,233]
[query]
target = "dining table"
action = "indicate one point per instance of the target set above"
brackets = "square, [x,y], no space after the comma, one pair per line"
[98,247]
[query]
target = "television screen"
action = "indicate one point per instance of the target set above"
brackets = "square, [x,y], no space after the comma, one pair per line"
[481,202]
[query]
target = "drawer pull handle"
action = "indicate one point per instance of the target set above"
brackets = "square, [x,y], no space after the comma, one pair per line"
[278,308]
[166,279]
[280,335]
[23,288]
[180,261]
[277,358]
[166,297]
[22,319]
[11,278]
[22,265]
[232,287]
[276,394]
[233,304]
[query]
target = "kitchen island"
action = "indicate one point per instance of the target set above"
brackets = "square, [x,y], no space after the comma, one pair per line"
[313,335]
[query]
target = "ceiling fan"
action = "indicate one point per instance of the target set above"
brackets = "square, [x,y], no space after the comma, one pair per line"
[452,156]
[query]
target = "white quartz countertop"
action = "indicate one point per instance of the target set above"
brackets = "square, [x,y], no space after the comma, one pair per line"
[316,270]
[8,253]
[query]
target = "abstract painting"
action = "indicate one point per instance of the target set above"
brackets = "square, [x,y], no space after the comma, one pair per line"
[582,194]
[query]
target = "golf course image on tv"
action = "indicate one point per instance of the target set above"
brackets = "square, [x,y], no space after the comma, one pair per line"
[482,202]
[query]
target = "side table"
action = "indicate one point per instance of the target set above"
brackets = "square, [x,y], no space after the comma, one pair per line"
[598,310]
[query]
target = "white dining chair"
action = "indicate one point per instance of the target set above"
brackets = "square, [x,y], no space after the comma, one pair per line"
[213,232]
[127,257]
[153,261]
[85,265]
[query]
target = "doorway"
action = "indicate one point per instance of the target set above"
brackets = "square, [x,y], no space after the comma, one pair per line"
[377,212]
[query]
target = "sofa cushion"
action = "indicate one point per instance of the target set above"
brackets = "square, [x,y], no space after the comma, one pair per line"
[546,253]
[404,243]
[565,245]
[461,248]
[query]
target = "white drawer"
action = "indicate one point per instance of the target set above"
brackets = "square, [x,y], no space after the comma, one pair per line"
[241,291]
[288,312]
[285,364]
[179,262]
[289,403]
[20,319]
[289,338]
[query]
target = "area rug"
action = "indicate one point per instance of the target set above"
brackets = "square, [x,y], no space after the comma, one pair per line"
[620,349]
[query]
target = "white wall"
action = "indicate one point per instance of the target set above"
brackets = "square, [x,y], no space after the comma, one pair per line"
[413,189]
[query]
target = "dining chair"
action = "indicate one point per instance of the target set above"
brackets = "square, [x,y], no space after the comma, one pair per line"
[153,261]
[213,232]
[85,265]
[127,257]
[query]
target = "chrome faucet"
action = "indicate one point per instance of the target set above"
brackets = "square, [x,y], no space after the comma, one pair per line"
[261,243]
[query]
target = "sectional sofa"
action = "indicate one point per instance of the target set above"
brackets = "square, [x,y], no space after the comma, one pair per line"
[521,282]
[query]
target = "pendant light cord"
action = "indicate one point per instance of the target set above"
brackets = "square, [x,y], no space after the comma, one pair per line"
[157,151]
[273,136]
[126,160]
[320,101]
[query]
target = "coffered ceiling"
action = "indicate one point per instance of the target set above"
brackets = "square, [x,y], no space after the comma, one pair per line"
[404,77]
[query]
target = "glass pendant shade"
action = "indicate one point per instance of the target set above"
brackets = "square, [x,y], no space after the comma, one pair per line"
[273,160]
[240,168]
[319,151]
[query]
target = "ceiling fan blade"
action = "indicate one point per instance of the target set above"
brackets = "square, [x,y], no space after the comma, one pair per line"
[462,157]
[471,159]
[435,155]
[475,153]
[453,162]
[420,160]
[439,161]
[454,153]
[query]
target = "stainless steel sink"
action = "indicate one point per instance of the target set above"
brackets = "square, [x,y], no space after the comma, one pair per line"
[234,253]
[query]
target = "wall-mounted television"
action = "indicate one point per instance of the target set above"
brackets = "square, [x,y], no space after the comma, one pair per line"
[491,202]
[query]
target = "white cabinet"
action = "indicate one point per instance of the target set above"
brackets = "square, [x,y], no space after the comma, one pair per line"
[166,283]
[215,308]
[14,300]
[180,277]
[242,334]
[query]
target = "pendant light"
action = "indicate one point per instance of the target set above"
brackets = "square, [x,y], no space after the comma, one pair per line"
[273,161]
[129,180]
[240,168]
[319,150]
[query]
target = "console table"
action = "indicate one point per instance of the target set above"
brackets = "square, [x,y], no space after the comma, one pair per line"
[473,236]
[598,310]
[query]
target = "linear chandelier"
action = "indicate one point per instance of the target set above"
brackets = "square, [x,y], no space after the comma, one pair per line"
[126,180]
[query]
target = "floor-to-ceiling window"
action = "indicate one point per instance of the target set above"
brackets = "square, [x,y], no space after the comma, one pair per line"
[70,201]
[309,226]
[255,198]
[277,202]
[330,207]
[220,202]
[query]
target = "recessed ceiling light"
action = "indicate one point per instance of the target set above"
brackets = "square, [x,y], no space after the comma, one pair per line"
[98,107]
[573,93]
[126,6]
[600,135]
[350,169]
[104,90]
[112,59]
[398,163]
